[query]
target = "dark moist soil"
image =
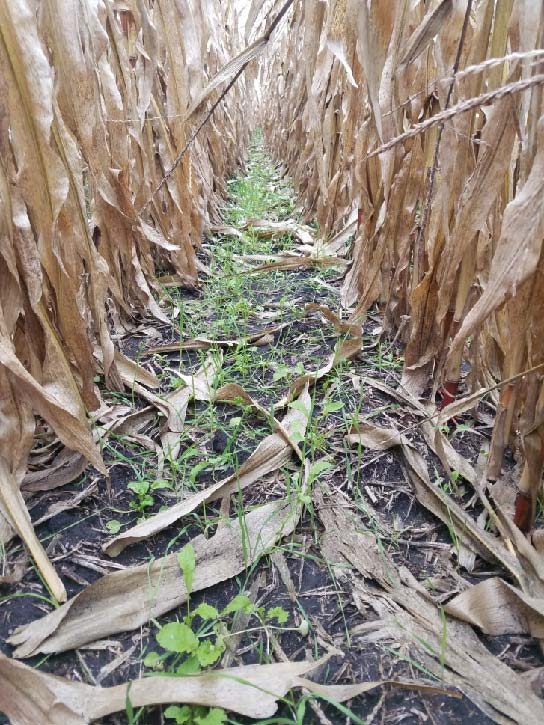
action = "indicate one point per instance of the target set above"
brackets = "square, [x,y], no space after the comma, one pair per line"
[74,537]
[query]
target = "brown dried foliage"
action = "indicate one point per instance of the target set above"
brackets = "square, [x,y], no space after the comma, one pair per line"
[451,204]
[94,99]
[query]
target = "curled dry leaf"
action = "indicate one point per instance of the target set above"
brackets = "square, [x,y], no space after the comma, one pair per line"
[30,696]
[425,32]
[285,262]
[65,468]
[266,228]
[59,405]
[338,324]
[345,350]
[131,372]
[13,508]
[496,607]
[226,73]
[199,386]
[173,405]
[226,230]
[338,243]
[375,437]
[233,393]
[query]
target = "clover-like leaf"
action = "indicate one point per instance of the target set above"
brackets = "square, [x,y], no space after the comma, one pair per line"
[216,716]
[181,714]
[206,611]
[277,613]
[209,652]
[177,637]
[152,659]
[239,603]
[113,526]
[140,488]
[190,666]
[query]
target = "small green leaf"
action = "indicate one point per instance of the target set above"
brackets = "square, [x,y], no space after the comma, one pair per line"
[299,405]
[187,564]
[138,487]
[208,653]
[277,613]
[234,422]
[206,611]
[317,468]
[216,716]
[281,372]
[177,637]
[128,704]
[180,714]
[332,406]
[160,483]
[151,659]
[113,526]
[296,434]
[239,603]
[195,470]
[191,666]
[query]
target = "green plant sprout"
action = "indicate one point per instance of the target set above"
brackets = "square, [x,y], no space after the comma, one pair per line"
[200,638]
[143,491]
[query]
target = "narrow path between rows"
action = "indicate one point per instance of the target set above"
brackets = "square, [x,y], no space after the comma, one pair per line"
[259,331]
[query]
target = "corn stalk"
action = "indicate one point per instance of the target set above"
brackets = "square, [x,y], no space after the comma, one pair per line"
[438,144]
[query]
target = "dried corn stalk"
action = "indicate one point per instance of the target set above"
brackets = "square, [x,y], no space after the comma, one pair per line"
[92,116]
[451,216]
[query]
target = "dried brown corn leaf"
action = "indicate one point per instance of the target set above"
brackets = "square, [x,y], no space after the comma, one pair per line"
[127,599]
[409,616]
[375,437]
[64,468]
[286,263]
[30,696]
[496,607]
[344,350]
[13,508]
[250,690]
[204,343]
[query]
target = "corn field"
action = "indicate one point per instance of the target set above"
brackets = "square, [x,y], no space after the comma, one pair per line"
[412,133]
[381,120]
[95,110]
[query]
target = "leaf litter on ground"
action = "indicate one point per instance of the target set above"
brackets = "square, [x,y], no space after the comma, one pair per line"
[454,659]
